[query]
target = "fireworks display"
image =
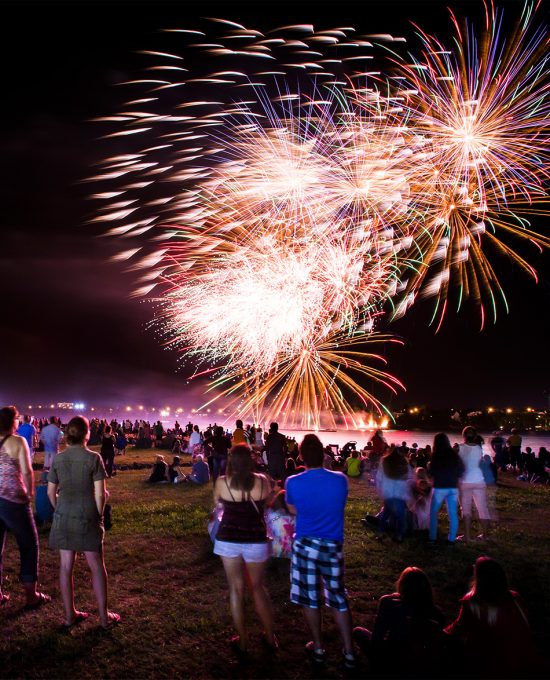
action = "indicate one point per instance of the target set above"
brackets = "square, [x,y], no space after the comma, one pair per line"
[281,191]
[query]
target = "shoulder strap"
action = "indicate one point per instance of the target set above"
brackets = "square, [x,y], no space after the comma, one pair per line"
[227,485]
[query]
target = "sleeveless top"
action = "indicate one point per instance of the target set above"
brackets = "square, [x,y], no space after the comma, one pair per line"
[242,521]
[12,486]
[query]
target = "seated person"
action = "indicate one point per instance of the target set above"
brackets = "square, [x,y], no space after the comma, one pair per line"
[175,473]
[200,472]
[281,526]
[408,632]
[159,472]
[492,626]
[421,498]
[352,466]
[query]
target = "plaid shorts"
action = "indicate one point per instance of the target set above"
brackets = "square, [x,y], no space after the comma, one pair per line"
[316,560]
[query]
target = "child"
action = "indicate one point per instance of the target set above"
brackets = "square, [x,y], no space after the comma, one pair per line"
[421,499]
[280,526]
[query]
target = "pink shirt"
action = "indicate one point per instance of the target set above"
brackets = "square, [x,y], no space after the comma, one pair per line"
[12,486]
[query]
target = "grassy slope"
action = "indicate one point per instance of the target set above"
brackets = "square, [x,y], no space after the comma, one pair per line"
[172,594]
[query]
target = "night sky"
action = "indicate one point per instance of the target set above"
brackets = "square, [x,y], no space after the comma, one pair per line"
[70,330]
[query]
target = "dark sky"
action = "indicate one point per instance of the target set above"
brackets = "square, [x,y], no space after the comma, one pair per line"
[70,330]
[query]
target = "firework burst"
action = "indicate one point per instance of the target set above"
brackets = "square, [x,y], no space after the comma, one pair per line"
[284,214]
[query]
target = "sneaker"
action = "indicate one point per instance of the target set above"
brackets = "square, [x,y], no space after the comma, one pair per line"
[349,660]
[316,656]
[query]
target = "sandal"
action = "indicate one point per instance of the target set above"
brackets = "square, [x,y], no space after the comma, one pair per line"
[113,620]
[235,644]
[42,599]
[78,618]
[4,597]
[271,646]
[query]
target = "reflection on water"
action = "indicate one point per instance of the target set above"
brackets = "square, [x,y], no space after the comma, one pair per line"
[340,437]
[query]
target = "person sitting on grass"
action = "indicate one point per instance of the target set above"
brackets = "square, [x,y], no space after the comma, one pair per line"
[421,497]
[393,481]
[175,473]
[492,627]
[407,637]
[352,466]
[200,472]
[159,474]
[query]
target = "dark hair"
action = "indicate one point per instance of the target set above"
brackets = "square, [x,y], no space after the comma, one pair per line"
[77,429]
[394,464]
[490,582]
[415,589]
[8,416]
[239,423]
[240,468]
[274,427]
[311,450]
[218,431]
[53,420]
[469,434]
[107,429]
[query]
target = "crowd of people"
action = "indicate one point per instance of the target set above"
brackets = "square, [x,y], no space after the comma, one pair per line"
[275,498]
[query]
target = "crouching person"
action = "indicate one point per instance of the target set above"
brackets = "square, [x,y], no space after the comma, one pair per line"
[318,498]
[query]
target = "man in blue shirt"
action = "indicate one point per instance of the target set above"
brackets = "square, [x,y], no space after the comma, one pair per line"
[51,437]
[318,499]
[28,431]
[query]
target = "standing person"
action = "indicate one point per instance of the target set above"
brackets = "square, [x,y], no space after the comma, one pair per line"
[446,469]
[51,437]
[394,480]
[499,449]
[379,444]
[275,449]
[220,445]
[76,489]
[16,494]
[514,445]
[472,485]
[241,542]
[195,441]
[239,435]
[28,431]
[159,434]
[107,452]
[318,499]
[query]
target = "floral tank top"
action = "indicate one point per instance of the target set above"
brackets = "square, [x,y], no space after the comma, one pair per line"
[12,486]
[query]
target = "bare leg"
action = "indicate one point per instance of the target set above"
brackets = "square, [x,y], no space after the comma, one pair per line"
[99,583]
[467,527]
[343,621]
[66,585]
[313,619]
[234,571]
[262,601]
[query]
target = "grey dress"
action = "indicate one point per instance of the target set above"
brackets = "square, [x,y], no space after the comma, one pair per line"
[76,524]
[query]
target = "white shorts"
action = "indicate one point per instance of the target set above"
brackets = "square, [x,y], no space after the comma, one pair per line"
[250,552]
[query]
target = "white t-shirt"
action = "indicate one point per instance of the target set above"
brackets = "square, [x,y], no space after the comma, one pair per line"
[471,455]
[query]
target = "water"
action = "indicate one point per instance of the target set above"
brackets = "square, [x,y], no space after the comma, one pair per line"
[340,437]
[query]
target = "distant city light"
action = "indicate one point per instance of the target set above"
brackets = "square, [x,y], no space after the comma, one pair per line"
[140,408]
[490,409]
[164,413]
[78,406]
[508,410]
[128,408]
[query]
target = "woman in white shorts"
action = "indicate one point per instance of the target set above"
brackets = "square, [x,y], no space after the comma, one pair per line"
[242,544]
[472,485]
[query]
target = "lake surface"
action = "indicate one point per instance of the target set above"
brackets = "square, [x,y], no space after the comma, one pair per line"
[340,437]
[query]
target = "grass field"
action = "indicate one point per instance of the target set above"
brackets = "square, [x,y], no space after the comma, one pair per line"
[171,591]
